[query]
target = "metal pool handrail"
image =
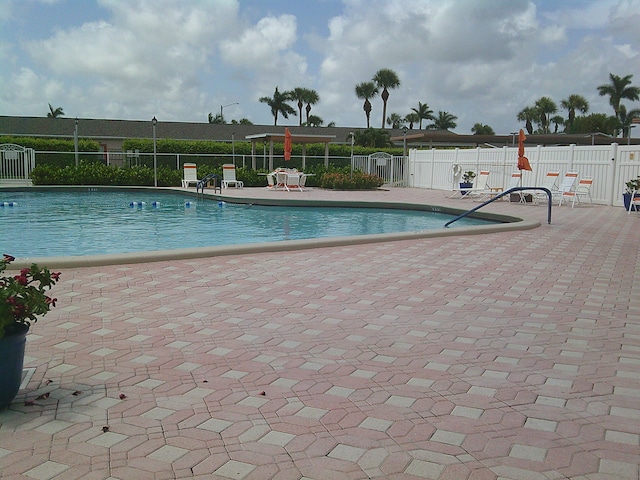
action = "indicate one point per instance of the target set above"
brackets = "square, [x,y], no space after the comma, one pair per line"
[511,190]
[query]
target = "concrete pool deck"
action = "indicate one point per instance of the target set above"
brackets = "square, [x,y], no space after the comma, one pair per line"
[505,355]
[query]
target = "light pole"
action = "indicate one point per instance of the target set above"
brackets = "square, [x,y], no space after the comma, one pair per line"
[75,141]
[404,133]
[351,134]
[154,121]
[222,107]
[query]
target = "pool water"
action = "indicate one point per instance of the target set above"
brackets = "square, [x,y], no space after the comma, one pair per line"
[65,223]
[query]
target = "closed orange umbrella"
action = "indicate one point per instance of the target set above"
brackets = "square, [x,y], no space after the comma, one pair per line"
[287,144]
[523,162]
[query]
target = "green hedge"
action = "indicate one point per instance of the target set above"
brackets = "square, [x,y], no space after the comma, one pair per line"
[209,147]
[348,181]
[95,173]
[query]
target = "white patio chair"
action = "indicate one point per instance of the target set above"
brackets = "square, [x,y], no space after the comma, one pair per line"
[229,176]
[293,182]
[190,175]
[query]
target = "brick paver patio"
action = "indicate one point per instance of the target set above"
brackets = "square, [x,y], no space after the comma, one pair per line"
[502,356]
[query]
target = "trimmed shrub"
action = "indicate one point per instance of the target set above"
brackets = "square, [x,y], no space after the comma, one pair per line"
[347,181]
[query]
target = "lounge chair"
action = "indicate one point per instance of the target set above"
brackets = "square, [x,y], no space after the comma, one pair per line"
[481,189]
[567,185]
[229,176]
[550,182]
[582,190]
[634,202]
[516,181]
[479,186]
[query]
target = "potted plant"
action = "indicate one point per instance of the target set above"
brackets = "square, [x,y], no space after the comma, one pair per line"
[467,181]
[632,185]
[23,297]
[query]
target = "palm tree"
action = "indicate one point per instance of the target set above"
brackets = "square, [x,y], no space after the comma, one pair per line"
[55,113]
[242,121]
[366,91]
[424,113]
[298,94]
[412,118]
[444,121]
[545,107]
[314,121]
[371,137]
[385,79]
[557,121]
[527,115]
[619,88]
[311,98]
[571,104]
[395,120]
[481,129]
[278,104]
[626,118]
[217,119]
[304,95]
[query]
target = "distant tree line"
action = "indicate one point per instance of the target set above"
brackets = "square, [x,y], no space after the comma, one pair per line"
[541,117]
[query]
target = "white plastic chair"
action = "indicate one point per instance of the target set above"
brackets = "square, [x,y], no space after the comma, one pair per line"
[229,176]
[582,190]
[293,182]
[190,175]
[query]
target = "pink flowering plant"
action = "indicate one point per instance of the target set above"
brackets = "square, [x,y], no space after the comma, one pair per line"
[24,296]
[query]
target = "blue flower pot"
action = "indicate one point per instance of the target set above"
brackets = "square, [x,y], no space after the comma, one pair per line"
[11,362]
[627,200]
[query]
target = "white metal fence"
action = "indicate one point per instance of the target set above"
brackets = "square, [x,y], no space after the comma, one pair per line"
[610,166]
[393,170]
[16,162]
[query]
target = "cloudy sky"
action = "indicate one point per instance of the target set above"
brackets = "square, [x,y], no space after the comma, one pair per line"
[179,60]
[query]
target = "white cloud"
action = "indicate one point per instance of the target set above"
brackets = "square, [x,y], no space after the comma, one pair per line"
[480,60]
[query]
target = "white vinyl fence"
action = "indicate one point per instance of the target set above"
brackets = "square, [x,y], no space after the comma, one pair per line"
[610,166]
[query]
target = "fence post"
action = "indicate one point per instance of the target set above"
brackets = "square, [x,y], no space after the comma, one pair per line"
[537,176]
[614,172]
[572,149]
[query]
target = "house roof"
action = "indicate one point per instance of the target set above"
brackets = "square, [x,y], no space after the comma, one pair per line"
[439,137]
[118,130]
[90,128]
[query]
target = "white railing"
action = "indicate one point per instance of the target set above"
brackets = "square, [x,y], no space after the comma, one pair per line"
[610,166]
[16,162]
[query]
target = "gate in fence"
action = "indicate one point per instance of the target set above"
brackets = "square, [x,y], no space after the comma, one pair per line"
[392,169]
[16,163]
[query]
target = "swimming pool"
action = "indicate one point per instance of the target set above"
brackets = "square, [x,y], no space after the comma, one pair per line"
[85,222]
